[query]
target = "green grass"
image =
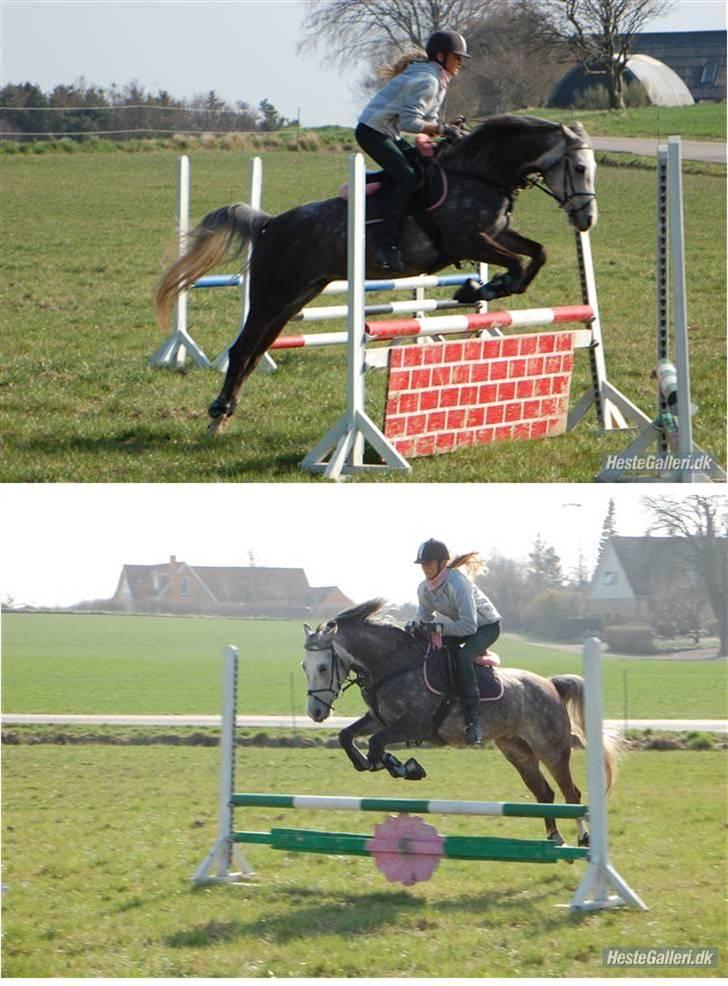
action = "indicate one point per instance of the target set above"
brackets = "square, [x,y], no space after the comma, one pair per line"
[84,237]
[153,665]
[706,121]
[100,844]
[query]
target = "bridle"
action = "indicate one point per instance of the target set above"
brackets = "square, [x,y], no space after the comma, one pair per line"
[569,191]
[337,681]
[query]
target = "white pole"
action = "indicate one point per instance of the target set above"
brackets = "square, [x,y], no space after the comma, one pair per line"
[183,230]
[343,443]
[255,199]
[175,348]
[593,894]
[677,262]
[224,854]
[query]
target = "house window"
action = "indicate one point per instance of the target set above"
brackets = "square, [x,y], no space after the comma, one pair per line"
[611,578]
[184,586]
[710,74]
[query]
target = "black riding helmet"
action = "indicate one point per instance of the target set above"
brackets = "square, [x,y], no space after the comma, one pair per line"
[446,42]
[431,550]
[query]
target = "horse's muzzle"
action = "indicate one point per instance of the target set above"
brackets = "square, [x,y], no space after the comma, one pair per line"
[317,711]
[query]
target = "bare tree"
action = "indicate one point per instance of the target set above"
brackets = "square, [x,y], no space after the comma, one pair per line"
[598,33]
[703,522]
[510,68]
[370,30]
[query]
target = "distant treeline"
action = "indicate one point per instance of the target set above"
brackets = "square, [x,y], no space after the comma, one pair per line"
[128,112]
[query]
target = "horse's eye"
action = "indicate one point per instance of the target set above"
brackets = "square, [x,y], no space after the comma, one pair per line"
[323,668]
[580,169]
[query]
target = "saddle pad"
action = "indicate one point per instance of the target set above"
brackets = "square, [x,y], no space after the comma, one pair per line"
[436,677]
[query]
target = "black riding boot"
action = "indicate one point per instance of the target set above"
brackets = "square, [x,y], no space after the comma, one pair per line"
[470,699]
[388,254]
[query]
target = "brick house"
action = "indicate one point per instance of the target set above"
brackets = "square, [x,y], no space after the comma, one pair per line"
[273,593]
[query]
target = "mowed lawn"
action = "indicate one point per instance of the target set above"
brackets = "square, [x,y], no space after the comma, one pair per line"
[100,843]
[157,665]
[84,242]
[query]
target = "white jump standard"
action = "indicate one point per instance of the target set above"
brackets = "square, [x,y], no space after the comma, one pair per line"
[404,847]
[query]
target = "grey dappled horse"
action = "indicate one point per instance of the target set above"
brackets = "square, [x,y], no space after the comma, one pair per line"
[533,721]
[297,253]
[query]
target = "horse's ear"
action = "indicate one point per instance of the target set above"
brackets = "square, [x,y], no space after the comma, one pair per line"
[569,134]
[330,629]
[307,629]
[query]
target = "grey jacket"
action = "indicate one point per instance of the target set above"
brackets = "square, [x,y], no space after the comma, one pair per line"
[460,605]
[408,101]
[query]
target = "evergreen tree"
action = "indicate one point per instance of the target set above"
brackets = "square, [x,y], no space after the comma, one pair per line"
[544,566]
[609,529]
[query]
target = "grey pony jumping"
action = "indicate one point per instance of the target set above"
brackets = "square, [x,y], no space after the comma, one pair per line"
[531,724]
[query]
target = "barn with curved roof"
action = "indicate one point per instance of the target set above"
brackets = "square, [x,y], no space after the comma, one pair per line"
[662,86]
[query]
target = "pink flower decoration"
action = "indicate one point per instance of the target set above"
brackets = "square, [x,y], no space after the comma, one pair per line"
[406,849]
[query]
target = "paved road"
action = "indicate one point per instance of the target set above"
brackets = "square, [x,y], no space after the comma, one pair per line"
[692,150]
[302,722]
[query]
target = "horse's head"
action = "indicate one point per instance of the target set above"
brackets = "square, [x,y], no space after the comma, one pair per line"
[569,170]
[324,670]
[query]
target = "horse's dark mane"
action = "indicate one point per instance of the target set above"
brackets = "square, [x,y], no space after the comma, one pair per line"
[495,128]
[362,613]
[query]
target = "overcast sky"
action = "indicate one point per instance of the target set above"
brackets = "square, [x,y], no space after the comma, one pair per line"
[62,544]
[245,51]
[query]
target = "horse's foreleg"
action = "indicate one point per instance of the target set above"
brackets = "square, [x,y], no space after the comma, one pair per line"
[346,738]
[487,249]
[399,732]
[536,253]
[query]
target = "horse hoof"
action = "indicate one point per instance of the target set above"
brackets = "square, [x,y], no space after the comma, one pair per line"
[414,771]
[469,292]
[556,838]
[584,840]
[216,426]
[499,287]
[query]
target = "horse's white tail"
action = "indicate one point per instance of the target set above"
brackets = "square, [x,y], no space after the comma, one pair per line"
[571,691]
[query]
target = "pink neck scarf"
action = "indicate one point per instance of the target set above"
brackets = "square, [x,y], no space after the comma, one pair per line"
[438,579]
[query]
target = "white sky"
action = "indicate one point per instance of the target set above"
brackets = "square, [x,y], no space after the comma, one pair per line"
[62,544]
[244,50]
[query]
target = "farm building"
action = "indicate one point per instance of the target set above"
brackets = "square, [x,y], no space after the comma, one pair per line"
[638,579]
[674,69]
[253,591]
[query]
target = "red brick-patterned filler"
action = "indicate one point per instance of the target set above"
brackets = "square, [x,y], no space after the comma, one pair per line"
[472,392]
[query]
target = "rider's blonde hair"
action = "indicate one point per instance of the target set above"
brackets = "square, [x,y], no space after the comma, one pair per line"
[471,562]
[391,69]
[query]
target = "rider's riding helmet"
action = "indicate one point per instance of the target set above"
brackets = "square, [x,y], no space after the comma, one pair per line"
[446,42]
[431,551]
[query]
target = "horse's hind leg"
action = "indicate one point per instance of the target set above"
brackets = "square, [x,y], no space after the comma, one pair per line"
[559,767]
[520,754]
[266,320]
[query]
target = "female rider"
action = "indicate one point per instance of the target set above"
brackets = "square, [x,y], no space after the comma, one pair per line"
[470,621]
[411,102]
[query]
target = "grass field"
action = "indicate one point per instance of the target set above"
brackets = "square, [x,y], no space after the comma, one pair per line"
[100,844]
[84,239]
[703,122]
[146,665]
